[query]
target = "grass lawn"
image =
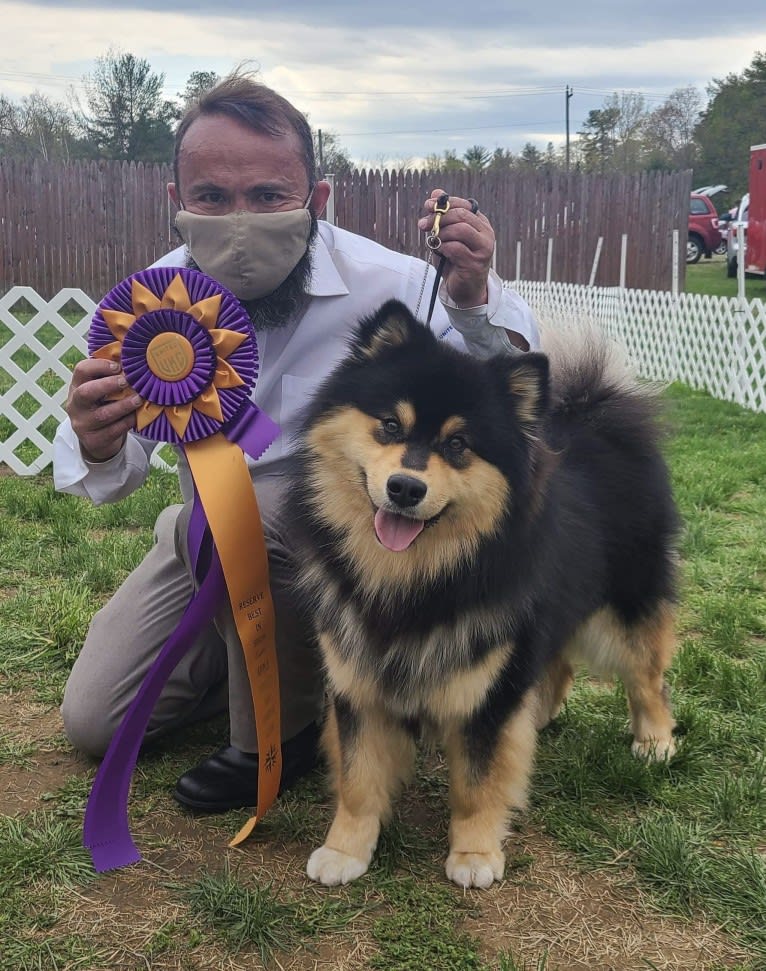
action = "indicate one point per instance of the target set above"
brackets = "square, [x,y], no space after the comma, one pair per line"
[617,865]
[709,276]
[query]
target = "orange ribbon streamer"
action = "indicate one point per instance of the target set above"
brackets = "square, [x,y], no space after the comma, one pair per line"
[228,498]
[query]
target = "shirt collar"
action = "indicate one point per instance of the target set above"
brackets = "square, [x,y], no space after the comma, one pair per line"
[325,279]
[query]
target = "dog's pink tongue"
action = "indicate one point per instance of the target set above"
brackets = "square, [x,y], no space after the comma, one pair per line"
[396,532]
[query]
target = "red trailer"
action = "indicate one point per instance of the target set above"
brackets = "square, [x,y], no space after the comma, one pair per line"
[755,252]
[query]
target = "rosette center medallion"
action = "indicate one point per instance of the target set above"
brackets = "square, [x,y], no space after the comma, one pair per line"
[170,356]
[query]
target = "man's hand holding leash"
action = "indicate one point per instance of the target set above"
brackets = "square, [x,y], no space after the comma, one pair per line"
[467,243]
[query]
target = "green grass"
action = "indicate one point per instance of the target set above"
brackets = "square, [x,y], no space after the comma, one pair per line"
[694,831]
[509,963]
[62,559]
[690,836]
[419,929]
[709,276]
[263,917]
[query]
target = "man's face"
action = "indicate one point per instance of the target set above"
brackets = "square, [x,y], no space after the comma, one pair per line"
[224,166]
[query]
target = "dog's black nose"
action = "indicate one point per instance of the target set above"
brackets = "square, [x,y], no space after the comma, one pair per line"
[405,490]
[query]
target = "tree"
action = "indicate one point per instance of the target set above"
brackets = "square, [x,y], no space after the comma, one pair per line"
[37,128]
[502,160]
[731,123]
[12,135]
[553,160]
[611,139]
[630,114]
[404,164]
[598,139]
[531,158]
[331,156]
[476,158]
[446,162]
[433,163]
[197,84]
[669,141]
[127,117]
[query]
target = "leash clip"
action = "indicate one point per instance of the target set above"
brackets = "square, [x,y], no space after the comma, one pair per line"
[440,206]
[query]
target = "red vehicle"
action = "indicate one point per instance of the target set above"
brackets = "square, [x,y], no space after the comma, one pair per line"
[704,235]
[755,237]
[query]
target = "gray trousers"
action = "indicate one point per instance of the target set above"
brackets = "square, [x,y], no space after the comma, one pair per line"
[128,633]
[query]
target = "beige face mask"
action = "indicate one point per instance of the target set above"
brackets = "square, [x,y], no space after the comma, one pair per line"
[249,253]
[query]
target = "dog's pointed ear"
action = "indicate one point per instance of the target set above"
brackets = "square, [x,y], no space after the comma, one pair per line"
[392,326]
[527,384]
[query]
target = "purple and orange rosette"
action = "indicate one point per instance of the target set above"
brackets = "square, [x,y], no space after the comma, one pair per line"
[186,345]
[188,348]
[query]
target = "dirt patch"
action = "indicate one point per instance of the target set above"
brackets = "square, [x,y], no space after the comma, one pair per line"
[26,720]
[41,761]
[589,921]
[23,788]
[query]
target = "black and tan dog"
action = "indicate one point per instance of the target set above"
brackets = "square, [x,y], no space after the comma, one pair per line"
[471,529]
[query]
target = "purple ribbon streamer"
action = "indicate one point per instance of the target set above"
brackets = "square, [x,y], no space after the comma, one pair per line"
[252,430]
[106,832]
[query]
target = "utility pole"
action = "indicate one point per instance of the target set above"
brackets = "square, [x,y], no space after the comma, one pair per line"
[321,153]
[567,95]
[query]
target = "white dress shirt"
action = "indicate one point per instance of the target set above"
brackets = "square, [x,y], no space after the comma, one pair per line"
[351,277]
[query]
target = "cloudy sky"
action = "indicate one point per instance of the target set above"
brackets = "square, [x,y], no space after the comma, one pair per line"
[400,80]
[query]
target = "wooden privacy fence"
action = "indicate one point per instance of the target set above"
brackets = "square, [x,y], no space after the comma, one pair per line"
[90,224]
[714,343]
[81,224]
[548,227]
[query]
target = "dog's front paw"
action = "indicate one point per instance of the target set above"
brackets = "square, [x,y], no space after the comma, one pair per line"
[332,867]
[654,750]
[475,869]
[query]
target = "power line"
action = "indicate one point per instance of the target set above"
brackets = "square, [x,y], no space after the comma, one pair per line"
[452,93]
[441,131]
[23,75]
[519,91]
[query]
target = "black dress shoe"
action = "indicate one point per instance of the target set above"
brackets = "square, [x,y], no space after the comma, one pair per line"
[229,779]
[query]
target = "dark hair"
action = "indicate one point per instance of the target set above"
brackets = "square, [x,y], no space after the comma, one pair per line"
[255,105]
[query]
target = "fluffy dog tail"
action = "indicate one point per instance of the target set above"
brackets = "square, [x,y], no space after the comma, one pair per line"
[592,380]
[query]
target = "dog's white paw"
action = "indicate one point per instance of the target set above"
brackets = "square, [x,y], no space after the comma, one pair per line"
[475,869]
[654,750]
[332,867]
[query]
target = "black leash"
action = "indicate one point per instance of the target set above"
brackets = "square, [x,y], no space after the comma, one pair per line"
[435,291]
[433,242]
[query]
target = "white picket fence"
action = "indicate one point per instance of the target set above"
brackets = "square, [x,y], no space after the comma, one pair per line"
[716,344]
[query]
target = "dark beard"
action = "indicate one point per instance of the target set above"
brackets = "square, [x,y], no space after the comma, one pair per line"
[288,301]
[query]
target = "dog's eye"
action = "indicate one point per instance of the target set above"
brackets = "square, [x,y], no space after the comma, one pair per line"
[457,444]
[390,426]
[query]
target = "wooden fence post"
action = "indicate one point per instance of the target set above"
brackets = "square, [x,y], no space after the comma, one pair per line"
[596,258]
[330,210]
[623,259]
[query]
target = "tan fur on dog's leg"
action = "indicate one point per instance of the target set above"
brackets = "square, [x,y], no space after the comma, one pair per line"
[366,774]
[552,690]
[653,644]
[481,806]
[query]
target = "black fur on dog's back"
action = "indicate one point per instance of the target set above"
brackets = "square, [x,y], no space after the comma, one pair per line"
[597,415]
